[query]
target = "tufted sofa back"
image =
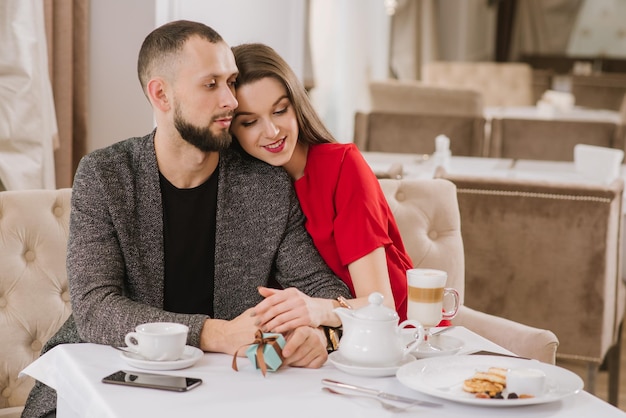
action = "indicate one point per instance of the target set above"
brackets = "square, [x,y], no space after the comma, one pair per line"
[501,83]
[546,253]
[427,215]
[34,294]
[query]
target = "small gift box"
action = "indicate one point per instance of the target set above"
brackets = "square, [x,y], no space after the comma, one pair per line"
[266,352]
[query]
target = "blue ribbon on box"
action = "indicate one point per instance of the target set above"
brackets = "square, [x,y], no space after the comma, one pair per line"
[266,352]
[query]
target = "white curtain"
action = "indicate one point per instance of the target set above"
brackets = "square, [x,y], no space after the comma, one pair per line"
[600,29]
[28,127]
[350,46]
[440,30]
[543,26]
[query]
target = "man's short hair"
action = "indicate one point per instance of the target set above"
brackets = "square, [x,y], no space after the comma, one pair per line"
[167,40]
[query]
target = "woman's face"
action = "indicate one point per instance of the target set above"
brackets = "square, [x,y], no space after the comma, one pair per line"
[265,122]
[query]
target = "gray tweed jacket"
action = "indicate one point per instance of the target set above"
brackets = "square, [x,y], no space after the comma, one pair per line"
[115,249]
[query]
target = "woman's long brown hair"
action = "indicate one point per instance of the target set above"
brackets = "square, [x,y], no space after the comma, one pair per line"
[256,61]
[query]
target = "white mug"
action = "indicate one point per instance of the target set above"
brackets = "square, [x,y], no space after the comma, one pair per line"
[158,341]
[426,296]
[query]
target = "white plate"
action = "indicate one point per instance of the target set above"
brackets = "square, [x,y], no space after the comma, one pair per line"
[444,344]
[190,356]
[345,366]
[443,377]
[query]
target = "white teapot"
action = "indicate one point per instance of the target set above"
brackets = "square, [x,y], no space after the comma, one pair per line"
[372,337]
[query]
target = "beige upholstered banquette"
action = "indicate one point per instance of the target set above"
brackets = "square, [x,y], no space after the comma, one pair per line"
[406,116]
[500,83]
[428,216]
[34,295]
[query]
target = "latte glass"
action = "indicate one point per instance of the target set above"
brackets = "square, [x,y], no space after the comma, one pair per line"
[427,294]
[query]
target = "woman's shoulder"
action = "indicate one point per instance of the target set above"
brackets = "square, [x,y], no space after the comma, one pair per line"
[334,148]
[334,151]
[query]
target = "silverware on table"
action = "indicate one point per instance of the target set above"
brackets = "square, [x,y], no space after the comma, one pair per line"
[377,393]
[385,405]
[132,353]
[493,353]
[122,349]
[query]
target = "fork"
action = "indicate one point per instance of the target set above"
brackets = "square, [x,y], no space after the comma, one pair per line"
[385,405]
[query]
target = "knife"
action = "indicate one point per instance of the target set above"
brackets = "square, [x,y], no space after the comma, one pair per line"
[377,393]
[492,353]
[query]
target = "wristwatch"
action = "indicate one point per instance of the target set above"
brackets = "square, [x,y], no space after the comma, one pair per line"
[333,335]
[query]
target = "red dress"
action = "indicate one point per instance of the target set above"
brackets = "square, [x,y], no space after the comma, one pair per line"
[348,216]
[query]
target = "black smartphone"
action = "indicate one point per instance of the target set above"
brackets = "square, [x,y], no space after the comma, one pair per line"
[152,380]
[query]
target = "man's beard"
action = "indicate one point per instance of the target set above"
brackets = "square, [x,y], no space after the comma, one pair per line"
[202,137]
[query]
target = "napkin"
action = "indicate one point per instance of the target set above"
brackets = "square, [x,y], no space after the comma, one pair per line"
[556,100]
[599,164]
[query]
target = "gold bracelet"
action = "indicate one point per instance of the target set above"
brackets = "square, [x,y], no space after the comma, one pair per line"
[343,302]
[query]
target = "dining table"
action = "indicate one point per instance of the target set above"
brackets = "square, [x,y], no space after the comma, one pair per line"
[547,112]
[75,371]
[423,166]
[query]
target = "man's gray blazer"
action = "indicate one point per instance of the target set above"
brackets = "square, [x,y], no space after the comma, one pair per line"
[115,258]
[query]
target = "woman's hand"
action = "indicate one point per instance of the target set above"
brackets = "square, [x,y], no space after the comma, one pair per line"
[288,309]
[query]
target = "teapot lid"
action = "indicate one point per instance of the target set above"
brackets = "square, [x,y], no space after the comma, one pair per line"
[376,311]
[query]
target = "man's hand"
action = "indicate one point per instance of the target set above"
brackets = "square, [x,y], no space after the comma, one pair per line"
[228,336]
[305,347]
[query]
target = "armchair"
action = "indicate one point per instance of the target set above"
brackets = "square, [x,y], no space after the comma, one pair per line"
[34,295]
[428,216]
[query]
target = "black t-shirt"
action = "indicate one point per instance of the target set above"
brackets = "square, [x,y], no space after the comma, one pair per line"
[189,246]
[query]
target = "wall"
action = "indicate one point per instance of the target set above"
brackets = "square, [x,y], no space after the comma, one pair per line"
[117,107]
[277,23]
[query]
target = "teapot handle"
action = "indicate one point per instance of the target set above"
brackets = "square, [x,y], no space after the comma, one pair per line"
[419,332]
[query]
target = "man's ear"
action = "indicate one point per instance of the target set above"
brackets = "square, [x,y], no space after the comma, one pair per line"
[156,90]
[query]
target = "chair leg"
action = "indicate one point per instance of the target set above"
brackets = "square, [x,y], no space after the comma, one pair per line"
[613,363]
[592,374]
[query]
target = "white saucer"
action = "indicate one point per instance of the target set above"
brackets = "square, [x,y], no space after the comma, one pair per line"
[190,356]
[345,366]
[445,346]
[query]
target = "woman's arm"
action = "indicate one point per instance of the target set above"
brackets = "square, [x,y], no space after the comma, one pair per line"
[284,310]
[370,274]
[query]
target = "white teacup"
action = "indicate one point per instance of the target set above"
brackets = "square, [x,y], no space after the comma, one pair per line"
[158,341]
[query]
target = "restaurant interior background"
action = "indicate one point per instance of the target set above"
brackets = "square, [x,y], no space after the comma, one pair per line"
[351,42]
[336,46]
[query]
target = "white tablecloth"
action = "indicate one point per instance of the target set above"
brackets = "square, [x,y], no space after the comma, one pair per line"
[75,371]
[534,112]
[416,166]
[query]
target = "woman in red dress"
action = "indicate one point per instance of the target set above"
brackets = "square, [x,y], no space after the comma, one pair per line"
[346,212]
